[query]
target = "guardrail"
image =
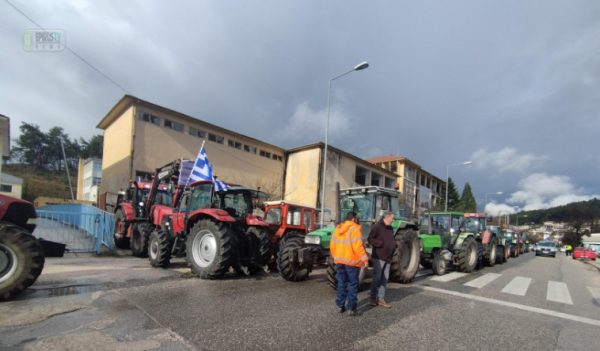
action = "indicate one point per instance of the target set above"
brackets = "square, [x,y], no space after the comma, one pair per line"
[83,228]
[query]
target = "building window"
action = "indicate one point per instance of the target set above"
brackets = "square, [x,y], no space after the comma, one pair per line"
[146,117]
[216,138]
[264,153]
[6,188]
[230,143]
[279,158]
[360,176]
[234,144]
[394,167]
[96,181]
[376,179]
[250,149]
[197,132]
[143,176]
[173,125]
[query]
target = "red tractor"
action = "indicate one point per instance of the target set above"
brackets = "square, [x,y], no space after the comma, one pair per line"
[214,230]
[133,214]
[22,256]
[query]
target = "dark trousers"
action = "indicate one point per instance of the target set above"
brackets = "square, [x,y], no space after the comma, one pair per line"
[347,286]
[381,274]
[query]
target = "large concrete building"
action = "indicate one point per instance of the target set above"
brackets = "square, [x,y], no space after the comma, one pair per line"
[303,172]
[421,190]
[140,136]
[89,178]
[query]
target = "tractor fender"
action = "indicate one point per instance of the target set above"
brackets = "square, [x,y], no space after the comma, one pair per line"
[254,221]
[212,213]
[486,237]
[461,237]
[127,209]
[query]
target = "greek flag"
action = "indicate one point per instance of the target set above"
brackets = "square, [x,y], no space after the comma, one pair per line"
[202,170]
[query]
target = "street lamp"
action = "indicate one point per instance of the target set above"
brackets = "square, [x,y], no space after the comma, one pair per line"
[358,67]
[486,196]
[448,177]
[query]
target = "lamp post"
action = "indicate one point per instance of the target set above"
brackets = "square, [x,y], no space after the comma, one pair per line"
[486,196]
[448,177]
[358,67]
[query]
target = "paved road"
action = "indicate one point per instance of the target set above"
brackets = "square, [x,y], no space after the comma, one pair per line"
[530,303]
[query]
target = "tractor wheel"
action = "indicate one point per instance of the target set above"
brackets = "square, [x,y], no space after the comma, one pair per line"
[500,254]
[439,263]
[159,249]
[490,254]
[467,255]
[332,279]
[505,253]
[21,260]
[514,251]
[121,226]
[263,244]
[289,270]
[209,249]
[405,262]
[139,240]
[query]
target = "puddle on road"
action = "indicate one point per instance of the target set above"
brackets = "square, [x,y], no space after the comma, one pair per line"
[69,290]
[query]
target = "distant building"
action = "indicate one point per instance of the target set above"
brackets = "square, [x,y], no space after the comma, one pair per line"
[592,241]
[89,178]
[11,185]
[421,190]
[303,172]
[140,136]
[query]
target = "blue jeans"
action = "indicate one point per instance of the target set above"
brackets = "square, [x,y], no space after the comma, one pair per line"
[381,274]
[347,286]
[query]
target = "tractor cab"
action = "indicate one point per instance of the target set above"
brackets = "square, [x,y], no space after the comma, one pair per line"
[438,230]
[284,217]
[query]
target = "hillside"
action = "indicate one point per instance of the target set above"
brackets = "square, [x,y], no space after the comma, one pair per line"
[42,183]
[576,212]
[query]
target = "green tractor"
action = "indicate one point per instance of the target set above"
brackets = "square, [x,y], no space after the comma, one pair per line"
[438,232]
[464,242]
[369,203]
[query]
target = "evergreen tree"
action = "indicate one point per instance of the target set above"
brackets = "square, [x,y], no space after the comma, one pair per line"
[453,197]
[467,201]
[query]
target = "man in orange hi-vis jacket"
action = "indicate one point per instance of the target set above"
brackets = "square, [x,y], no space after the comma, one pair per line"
[349,255]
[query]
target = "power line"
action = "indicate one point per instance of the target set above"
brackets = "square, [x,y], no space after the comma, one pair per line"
[69,49]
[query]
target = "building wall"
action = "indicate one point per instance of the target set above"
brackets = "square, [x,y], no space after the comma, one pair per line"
[16,189]
[116,154]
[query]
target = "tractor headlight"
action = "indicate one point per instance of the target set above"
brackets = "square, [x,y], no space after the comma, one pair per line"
[312,239]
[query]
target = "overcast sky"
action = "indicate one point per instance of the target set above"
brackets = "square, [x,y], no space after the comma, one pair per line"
[511,85]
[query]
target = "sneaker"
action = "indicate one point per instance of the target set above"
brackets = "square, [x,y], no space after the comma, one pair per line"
[382,303]
[341,309]
[352,313]
[373,302]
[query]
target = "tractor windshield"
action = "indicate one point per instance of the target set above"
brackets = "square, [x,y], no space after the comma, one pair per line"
[237,202]
[199,197]
[361,204]
[472,225]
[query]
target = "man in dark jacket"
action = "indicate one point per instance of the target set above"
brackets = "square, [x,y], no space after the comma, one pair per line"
[383,242]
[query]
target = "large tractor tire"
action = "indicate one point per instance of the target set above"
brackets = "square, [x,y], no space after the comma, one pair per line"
[209,249]
[263,243]
[289,270]
[489,257]
[332,278]
[439,263]
[139,239]
[506,253]
[121,226]
[21,260]
[500,254]
[514,250]
[467,255]
[159,249]
[405,262]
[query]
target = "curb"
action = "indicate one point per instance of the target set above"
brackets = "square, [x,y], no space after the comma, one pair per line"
[594,264]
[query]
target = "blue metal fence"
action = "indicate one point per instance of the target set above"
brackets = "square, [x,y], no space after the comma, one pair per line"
[83,228]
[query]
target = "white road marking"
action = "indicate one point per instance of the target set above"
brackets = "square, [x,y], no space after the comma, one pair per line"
[595,293]
[567,316]
[558,292]
[517,286]
[483,280]
[448,277]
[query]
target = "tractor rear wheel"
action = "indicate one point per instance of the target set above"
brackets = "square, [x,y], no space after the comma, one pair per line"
[209,249]
[288,269]
[139,239]
[159,249]
[439,263]
[263,245]
[505,253]
[332,278]
[490,254]
[405,262]
[21,260]
[121,226]
[500,254]
[467,255]
[514,251]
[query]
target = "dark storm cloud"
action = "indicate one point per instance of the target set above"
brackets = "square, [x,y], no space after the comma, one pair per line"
[449,80]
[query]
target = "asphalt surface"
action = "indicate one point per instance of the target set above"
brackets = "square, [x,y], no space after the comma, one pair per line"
[126,305]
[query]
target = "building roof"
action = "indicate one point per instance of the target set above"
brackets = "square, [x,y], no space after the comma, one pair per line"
[10,179]
[128,100]
[389,158]
[343,153]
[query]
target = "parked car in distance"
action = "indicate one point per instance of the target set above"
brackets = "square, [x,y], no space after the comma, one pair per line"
[546,248]
[584,253]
